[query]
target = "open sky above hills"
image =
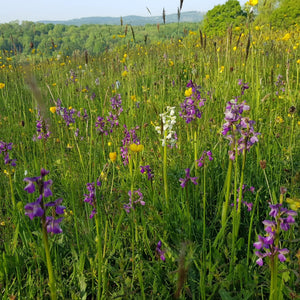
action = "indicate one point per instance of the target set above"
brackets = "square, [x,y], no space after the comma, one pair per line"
[36,10]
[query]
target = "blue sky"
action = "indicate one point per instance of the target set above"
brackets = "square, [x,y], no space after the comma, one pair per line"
[35,10]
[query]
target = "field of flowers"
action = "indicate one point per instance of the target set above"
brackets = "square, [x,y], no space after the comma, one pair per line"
[158,171]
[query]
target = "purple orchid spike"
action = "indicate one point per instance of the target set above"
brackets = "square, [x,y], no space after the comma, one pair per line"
[187,178]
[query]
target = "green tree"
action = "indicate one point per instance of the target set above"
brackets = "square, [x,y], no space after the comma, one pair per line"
[286,14]
[218,19]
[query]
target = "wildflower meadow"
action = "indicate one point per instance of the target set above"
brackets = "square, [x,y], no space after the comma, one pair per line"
[160,170]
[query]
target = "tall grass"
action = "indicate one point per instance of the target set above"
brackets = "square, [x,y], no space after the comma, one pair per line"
[114,254]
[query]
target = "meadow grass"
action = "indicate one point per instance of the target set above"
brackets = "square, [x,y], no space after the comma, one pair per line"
[206,245]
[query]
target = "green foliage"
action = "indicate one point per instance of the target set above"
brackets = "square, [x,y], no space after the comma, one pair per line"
[218,19]
[158,71]
[29,38]
[287,14]
[278,13]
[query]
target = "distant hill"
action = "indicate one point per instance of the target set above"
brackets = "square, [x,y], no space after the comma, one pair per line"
[190,17]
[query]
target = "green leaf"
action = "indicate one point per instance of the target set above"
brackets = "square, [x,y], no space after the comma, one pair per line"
[225,295]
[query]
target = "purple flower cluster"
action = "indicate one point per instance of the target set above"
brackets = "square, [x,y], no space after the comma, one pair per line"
[106,125]
[83,116]
[73,77]
[249,205]
[5,148]
[280,83]
[137,198]
[101,125]
[201,160]
[160,252]
[283,218]
[38,208]
[130,137]
[67,114]
[42,129]
[240,128]
[244,86]
[190,107]
[187,178]
[91,196]
[148,170]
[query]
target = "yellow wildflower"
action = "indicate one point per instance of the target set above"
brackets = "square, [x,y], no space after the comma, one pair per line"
[124,74]
[171,63]
[207,77]
[279,120]
[234,48]
[188,92]
[109,144]
[53,109]
[113,156]
[133,98]
[252,2]
[2,85]
[293,203]
[221,69]
[286,37]
[2,223]
[136,148]
[103,176]
[298,61]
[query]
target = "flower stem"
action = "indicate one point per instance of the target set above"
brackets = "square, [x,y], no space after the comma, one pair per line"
[49,263]
[195,149]
[234,217]
[250,226]
[240,194]
[274,271]
[13,200]
[226,203]
[165,176]
[99,255]
[204,236]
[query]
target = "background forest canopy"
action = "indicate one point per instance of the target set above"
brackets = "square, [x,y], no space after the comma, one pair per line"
[30,38]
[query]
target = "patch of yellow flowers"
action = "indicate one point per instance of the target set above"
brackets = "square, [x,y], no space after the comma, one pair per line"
[136,148]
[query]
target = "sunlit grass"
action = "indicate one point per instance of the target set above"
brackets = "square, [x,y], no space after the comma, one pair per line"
[116,253]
